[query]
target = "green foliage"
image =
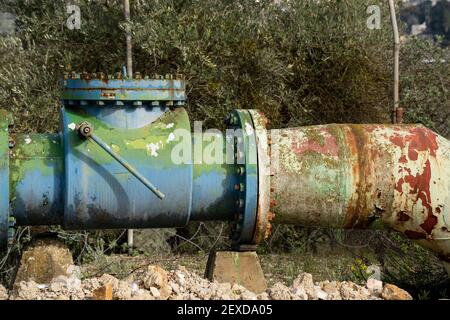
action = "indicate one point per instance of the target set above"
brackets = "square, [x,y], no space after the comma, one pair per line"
[302,62]
[410,266]
[425,86]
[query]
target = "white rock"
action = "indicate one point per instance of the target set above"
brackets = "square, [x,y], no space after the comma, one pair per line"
[155,292]
[74,271]
[248,295]
[181,278]
[280,292]
[305,281]
[319,293]
[263,296]
[374,286]
[134,288]
[175,287]
[3,293]
[123,291]
[299,293]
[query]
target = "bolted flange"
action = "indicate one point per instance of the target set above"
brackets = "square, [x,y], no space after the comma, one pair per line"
[252,219]
[99,88]
[11,230]
[246,188]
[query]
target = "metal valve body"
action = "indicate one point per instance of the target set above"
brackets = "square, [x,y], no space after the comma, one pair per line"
[70,180]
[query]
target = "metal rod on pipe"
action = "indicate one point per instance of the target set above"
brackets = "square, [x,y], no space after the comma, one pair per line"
[127,166]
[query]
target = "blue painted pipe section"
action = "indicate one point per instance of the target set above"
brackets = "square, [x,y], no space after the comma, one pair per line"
[4,179]
[101,193]
[37,173]
[214,196]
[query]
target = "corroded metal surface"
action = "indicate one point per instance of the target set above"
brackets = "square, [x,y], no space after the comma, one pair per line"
[100,87]
[365,176]
[263,215]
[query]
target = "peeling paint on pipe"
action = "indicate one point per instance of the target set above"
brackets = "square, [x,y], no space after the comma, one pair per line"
[364,176]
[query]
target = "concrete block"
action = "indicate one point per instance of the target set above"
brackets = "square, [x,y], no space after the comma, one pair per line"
[233,267]
[43,260]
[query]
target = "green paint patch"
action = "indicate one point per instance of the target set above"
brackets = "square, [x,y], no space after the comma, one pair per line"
[149,145]
[237,266]
[35,152]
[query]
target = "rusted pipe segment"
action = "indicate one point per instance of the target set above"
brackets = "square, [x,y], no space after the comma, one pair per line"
[262,225]
[85,130]
[365,176]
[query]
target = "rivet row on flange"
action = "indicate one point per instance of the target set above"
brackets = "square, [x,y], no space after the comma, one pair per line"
[239,187]
[11,229]
[123,103]
[119,76]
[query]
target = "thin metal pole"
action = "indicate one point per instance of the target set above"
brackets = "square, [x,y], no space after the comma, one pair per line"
[397,114]
[126,6]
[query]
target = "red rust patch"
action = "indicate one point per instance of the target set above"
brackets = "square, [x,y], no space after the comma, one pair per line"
[328,148]
[418,140]
[429,223]
[420,186]
[403,159]
[402,216]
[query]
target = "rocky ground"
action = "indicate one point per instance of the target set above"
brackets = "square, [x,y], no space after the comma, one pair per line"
[155,283]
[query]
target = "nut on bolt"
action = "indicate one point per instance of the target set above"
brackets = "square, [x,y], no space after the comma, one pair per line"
[85,129]
[11,143]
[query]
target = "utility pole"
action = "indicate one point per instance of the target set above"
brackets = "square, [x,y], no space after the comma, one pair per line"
[397,116]
[126,5]
[129,59]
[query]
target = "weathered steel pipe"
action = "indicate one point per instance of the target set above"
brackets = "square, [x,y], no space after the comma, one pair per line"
[365,176]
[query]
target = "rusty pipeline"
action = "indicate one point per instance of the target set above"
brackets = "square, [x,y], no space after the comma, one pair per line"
[336,175]
[364,176]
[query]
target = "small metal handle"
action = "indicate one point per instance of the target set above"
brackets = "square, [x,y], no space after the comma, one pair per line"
[86,131]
